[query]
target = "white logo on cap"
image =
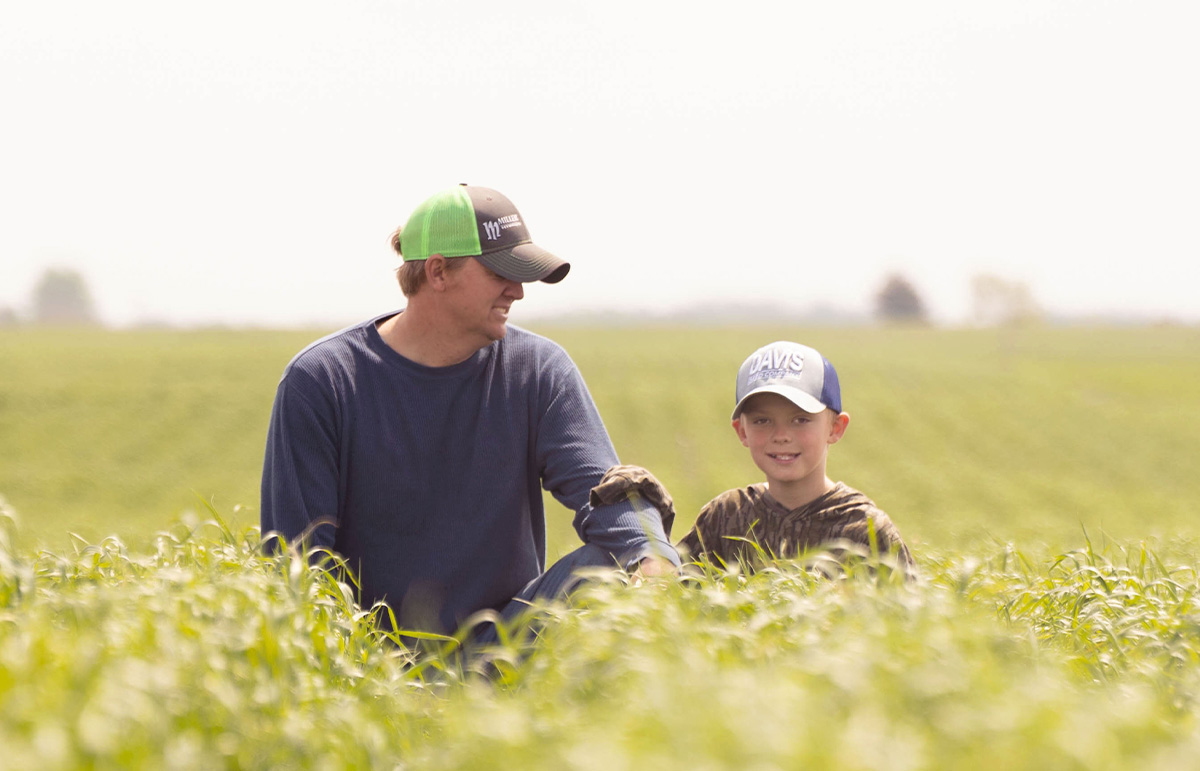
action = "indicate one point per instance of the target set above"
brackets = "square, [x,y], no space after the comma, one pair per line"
[492,230]
[776,363]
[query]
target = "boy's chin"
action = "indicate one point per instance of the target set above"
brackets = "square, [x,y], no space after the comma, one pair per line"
[782,478]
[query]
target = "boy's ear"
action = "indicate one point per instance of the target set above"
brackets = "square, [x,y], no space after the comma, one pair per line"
[741,432]
[838,429]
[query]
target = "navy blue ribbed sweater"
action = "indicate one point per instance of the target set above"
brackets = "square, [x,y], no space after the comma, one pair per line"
[428,480]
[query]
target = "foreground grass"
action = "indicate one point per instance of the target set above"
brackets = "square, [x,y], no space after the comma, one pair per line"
[202,653]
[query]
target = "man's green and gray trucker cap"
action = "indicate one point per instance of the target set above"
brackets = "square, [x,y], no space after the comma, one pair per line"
[468,221]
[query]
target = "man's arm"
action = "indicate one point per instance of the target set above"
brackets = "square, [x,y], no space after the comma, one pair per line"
[299,481]
[574,452]
[650,499]
[632,531]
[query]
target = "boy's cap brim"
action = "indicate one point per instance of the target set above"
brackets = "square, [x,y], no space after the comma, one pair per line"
[526,262]
[797,397]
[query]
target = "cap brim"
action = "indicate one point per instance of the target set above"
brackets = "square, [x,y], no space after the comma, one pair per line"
[526,262]
[797,397]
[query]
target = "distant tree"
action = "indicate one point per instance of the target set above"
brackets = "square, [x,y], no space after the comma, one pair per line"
[998,301]
[62,297]
[898,301]
[8,318]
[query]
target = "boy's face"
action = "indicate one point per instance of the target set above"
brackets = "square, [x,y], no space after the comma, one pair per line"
[787,443]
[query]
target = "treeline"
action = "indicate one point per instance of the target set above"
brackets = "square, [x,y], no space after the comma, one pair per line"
[60,297]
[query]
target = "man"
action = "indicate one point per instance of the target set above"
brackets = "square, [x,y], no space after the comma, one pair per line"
[416,444]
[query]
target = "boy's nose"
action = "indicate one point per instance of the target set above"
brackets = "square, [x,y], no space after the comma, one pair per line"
[515,290]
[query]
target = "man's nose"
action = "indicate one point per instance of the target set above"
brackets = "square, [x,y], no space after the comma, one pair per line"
[515,290]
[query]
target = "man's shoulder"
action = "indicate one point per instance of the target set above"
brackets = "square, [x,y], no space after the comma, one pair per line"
[521,340]
[527,354]
[332,352]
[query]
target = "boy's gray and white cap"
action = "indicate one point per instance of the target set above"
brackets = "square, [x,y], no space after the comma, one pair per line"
[796,372]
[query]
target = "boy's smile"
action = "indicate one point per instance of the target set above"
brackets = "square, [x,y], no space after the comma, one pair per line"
[789,445]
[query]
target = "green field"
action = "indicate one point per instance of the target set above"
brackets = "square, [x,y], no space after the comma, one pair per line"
[1025,434]
[1043,477]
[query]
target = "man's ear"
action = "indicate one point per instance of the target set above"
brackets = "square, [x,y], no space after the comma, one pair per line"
[741,431]
[838,429]
[435,271]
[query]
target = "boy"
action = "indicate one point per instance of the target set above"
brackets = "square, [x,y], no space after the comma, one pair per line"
[788,413]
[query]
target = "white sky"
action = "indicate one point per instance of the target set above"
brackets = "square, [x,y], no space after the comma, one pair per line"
[244,162]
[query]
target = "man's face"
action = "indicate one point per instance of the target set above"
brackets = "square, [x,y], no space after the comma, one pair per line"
[479,300]
[787,443]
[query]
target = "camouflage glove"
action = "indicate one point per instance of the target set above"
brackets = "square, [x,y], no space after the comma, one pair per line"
[619,481]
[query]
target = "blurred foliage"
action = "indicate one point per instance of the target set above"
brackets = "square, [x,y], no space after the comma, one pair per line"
[996,300]
[61,297]
[200,652]
[899,301]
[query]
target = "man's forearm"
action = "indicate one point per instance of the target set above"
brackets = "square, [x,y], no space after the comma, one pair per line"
[631,530]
